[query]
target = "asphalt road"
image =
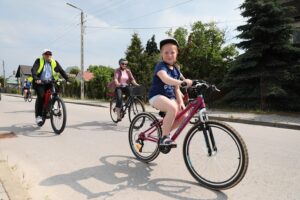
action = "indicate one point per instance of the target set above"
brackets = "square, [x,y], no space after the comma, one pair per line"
[91,159]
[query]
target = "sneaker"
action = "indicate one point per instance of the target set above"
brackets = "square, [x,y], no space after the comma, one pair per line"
[167,141]
[39,120]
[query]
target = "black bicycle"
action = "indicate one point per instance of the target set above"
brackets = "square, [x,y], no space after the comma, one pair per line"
[28,96]
[53,108]
[132,103]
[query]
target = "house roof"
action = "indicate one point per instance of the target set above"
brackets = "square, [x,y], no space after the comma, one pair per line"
[23,70]
[87,76]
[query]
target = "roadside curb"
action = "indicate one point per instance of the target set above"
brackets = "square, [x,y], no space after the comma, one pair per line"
[258,123]
[227,119]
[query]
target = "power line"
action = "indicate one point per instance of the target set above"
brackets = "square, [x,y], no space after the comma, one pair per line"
[157,11]
[134,28]
[106,10]
[63,34]
[155,27]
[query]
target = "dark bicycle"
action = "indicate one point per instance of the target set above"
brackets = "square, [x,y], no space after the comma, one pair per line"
[28,96]
[214,152]
[132,103]
[53,108]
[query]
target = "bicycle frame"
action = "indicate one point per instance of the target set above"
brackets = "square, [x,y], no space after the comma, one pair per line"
[192,108]
[127,103]
[47,96]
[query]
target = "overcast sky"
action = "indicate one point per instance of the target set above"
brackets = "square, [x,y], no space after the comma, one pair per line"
[27,27]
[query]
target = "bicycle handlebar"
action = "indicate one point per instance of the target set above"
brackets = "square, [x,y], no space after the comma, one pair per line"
[200,84]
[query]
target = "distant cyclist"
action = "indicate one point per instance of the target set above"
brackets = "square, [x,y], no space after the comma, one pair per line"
[26,87]
[44,69]
[123,77]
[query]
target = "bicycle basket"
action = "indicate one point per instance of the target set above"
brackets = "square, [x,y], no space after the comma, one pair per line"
[136,91]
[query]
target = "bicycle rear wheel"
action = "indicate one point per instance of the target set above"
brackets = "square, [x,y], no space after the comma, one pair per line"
[135,108]
[112,110]
[225,165]
[58,115]
[144,132]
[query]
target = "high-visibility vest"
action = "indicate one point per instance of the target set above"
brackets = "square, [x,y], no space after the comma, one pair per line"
[30,79]
[53,65]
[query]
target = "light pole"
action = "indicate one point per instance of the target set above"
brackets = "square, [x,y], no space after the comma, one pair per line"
[3,74]
[81,44]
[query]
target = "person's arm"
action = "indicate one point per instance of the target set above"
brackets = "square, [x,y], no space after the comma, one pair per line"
[61,71]
[164,77]
[35,68]
[132,79]
[116,78]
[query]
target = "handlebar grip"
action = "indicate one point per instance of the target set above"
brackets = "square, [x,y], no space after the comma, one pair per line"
[183,84]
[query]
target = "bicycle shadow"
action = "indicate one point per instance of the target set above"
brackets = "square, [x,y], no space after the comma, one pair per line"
[122,172]
[99,126]
[29,130]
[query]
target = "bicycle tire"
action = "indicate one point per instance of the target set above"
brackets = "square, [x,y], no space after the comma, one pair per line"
[133,110]
[29,98]
[243,159]
[112,106]
[54,113]
[132,127]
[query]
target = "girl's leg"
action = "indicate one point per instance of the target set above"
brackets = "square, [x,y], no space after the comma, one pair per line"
[170,107]
[179,121]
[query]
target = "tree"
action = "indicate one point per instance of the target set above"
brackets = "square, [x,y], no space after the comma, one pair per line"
[203,54]
[140,62]
[1,81]
[97,87]
[75,70]
[261,76]
[151,47]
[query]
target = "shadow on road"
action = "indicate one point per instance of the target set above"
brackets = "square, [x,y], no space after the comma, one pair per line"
[20,111]
[29,130]
[99,126]
[122,172]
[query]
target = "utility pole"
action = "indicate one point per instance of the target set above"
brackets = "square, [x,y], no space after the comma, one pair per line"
[82,58]
[3,74]
[81,50]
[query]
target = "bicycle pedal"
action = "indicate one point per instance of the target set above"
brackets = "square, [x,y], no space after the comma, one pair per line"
[173,145]
[138,146]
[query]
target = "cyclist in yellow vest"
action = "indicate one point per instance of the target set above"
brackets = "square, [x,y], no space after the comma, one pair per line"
[44,69]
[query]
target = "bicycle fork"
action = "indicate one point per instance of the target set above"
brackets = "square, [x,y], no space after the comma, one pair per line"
[207,133]
[209,139]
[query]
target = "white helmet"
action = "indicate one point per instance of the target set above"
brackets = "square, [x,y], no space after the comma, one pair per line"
[47,50]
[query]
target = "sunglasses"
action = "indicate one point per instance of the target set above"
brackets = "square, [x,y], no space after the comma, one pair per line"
[125,64]
[48,54]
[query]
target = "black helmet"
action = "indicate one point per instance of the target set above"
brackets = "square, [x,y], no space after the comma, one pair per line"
[168,41]
[122,60]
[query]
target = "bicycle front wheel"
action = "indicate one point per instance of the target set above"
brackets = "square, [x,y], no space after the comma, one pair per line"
[58,115]
[215,155]
[135,108]
[29,98]
[112,110]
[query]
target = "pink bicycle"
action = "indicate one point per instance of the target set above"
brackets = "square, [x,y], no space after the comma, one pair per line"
[214,152]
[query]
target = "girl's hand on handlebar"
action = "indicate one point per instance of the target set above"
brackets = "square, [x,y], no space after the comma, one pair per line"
[189,82]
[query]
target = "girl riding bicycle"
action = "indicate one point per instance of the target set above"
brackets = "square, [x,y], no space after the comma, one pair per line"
[165,92]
